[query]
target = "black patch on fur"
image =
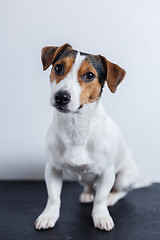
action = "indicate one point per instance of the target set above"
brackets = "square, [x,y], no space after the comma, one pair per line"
[66,53]
[69,53]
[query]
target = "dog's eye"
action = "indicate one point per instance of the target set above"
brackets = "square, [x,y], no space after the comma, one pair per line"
[59,69]
[89,76]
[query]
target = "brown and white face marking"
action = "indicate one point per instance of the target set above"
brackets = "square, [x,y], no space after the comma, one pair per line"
[77,78]
[88,80]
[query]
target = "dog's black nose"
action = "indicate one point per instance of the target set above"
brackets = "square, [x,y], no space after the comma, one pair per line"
[62,97]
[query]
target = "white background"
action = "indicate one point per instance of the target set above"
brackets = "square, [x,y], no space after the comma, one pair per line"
[125,32]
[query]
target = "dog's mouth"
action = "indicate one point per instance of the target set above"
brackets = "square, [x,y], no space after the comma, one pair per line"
[80,107]
[63,109]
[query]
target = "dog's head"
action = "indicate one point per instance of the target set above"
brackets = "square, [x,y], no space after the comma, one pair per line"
[78,78]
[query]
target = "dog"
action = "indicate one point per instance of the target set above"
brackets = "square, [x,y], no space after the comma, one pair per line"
[83,141]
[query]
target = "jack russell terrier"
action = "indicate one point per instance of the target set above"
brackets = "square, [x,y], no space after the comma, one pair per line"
[83,140]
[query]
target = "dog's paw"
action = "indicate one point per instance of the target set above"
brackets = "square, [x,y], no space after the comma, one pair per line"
[45,222]
[103,223]
[86,197]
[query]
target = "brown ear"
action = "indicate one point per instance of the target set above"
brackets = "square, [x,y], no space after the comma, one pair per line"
[115,74]
[50,54]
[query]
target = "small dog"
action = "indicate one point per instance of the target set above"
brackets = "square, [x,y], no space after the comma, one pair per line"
[83,140]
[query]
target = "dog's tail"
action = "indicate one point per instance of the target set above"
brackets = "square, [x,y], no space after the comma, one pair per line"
[142,184]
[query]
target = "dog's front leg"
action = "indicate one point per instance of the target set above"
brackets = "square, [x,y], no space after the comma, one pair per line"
[49,216]
[100,213]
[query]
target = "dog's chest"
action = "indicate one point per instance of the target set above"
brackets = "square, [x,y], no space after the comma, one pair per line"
[81,173]
[79,163]
[78,150]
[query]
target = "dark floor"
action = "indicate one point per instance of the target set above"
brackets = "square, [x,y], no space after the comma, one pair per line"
[136,217]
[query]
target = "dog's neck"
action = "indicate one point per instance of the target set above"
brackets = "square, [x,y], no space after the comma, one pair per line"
[75,127]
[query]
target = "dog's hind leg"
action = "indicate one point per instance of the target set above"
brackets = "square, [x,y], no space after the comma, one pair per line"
[126,177]
[124,181]
[114,197]
[87,195]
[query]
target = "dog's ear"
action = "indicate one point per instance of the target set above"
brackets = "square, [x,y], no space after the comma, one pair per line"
[114,74]
[50,54]
[47,55]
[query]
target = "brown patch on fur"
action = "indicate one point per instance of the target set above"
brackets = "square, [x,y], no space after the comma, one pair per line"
[90,90]
[67,63]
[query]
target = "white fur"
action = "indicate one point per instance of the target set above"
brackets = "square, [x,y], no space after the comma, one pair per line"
[87,145]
